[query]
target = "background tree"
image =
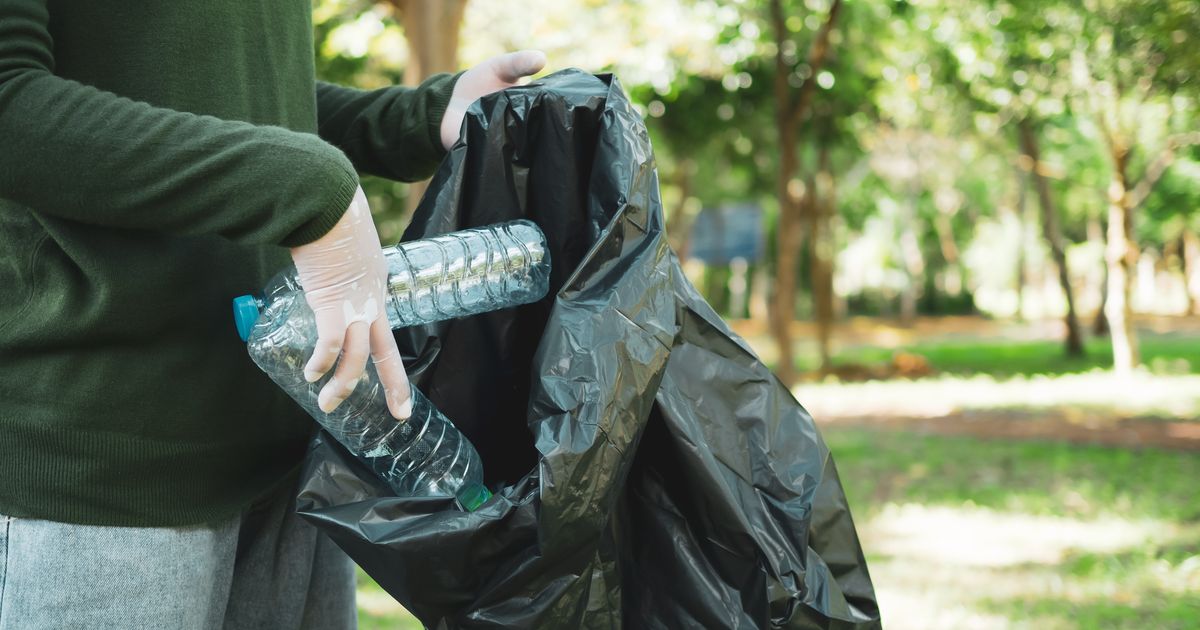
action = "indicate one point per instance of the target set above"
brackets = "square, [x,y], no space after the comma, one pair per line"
[1127,61]
[792,105]
[1028,86]
[431,30]
[901,198]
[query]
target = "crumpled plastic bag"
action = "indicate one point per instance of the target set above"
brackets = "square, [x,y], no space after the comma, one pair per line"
[649,470]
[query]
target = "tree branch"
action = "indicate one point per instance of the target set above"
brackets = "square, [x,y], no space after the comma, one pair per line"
[797,107]
[779,29]
[817,54]
[1158,167]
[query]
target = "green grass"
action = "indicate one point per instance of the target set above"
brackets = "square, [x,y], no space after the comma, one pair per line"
[397,621]
[1094,565]
[1151,611]
[1027,477]
[1151,585]
[378,611]
[1162,353]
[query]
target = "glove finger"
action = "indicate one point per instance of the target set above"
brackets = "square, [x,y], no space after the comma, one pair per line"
[330,336]
[392,376]
[515,65]
[349,368]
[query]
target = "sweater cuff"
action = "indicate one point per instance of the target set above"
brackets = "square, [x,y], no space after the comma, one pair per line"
[323,222]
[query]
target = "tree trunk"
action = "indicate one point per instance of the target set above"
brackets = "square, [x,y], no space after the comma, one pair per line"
[1191,270]
[1022,199]
[1121,256]
[1096,235]
[948,201]
[787,244]
[1053,235]
[790,110]
[679,224]
[943,225]
[431,31]
[1100,325]
[913,259]
[716,288]
[821,205]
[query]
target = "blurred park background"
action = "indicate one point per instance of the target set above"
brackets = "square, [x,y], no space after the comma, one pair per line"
[967,233]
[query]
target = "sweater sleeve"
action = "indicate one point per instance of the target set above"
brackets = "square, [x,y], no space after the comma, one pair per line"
[392,132]
[79,153]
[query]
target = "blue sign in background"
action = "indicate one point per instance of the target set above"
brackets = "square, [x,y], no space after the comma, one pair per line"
[723,233]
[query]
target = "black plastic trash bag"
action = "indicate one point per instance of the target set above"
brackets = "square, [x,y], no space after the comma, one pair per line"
[649,471]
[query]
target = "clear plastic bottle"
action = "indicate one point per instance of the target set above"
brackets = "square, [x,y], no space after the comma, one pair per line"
[447,276]
[443,277]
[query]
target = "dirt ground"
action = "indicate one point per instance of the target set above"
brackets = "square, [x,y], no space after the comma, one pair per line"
[1049,425]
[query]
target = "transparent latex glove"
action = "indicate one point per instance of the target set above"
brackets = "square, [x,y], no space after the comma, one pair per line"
[344,276]
[493,75]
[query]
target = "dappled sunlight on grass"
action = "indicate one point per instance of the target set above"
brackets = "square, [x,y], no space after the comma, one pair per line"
[1150,586]
[965,533]
[973,568]
[976,537]
[1052,479]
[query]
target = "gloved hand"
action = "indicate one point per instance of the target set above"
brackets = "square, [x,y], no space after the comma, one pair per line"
[492,75]
[344,275]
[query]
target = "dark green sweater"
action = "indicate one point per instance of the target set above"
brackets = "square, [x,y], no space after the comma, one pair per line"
[153,159]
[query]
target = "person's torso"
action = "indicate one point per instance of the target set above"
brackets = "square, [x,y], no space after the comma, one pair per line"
[249,60]
[127,331]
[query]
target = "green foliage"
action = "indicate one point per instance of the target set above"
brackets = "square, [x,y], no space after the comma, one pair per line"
[917,103]
[1175,203]
[1165,353]
[721,137]
[332,28]
[1043,478]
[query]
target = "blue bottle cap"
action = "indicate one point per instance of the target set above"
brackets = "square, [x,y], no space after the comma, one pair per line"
[245,313]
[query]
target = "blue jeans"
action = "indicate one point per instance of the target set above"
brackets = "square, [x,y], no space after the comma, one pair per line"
[264,568]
